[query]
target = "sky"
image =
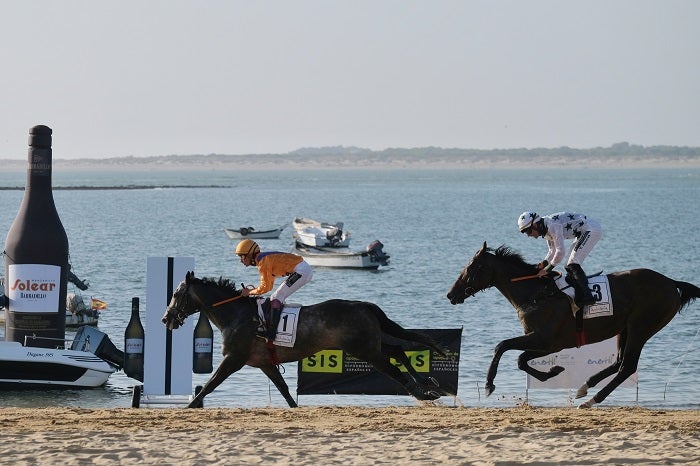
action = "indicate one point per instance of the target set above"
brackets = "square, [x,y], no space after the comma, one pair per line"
[148,78]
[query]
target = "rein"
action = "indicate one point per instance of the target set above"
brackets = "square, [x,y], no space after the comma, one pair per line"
[227,300]
[528,277]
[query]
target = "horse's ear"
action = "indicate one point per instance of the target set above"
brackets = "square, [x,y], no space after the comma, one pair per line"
[483,248]
[189,276]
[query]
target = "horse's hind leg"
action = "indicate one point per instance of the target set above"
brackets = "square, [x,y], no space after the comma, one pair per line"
[228,366]
[628,366]
[273,373]
[608,371]
[382,364]
[398,353]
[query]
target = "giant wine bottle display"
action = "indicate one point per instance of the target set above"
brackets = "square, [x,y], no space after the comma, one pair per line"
[36,256]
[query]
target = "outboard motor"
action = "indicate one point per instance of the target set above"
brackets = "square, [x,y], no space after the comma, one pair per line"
[335,233]
[376,252]
[98,343]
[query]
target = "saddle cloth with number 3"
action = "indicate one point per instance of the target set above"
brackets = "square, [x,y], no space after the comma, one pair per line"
[601,292]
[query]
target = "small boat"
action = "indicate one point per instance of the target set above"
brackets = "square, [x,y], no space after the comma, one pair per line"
[320,234]
[77,312]
[89,362]
[371,258]
[252,233]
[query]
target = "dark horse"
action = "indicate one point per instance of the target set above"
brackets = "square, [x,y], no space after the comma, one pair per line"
[644,301]
[360,328]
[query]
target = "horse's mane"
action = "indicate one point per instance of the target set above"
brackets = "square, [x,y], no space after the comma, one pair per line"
[510,255]
[221,282]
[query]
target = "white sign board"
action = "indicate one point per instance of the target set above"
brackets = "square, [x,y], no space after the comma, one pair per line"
[579,364]
[167,367]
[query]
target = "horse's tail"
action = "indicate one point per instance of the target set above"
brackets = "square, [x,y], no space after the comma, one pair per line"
[689,293]
[390,327]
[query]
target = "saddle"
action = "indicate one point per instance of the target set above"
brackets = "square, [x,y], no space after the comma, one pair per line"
[565,283]
[287,324]
[266,317]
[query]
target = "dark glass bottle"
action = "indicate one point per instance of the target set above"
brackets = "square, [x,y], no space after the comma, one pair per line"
[203,347]
[134,338]
[36,256]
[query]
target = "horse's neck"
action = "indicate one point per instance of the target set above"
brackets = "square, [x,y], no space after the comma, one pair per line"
[521,291]
[223,315]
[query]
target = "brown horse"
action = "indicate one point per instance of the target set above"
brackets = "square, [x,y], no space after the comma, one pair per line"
[644,301]
[358,327]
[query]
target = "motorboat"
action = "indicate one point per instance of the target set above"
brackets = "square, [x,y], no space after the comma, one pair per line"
[253,233]
[78,313]
[371,258]
[320,234]
[89,362]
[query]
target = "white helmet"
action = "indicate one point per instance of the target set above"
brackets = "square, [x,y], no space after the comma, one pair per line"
[526,220]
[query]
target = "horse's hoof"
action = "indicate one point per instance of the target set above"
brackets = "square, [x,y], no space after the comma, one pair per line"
[587,404]
[428,396]
[582,391]
[431,381]
[490,388]
[556,370]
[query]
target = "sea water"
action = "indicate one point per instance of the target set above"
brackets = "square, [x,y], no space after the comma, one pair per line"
[431,222]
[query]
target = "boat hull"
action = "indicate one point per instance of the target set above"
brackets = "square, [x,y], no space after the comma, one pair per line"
[317,234]
[372,258]
[242,233]
[72,320]
[29,367]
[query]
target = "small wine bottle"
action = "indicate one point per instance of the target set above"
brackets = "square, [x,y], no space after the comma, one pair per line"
[134,337]
[203,347]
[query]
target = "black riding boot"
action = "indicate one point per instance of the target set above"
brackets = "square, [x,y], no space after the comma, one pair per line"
[276,313]
[580,283]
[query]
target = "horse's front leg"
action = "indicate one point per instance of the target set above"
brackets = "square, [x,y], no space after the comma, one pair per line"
[522,342]
[273,373]
[527,356]
[229,364]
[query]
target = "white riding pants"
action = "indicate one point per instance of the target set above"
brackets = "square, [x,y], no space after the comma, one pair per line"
[301,276]
[584,244]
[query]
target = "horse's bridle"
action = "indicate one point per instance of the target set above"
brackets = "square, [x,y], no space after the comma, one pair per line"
[181,315]
[470,291]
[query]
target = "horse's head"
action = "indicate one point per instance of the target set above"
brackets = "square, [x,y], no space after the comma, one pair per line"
[183,304]
[474,278]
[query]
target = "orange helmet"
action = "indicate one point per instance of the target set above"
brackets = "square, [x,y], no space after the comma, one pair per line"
[247,246]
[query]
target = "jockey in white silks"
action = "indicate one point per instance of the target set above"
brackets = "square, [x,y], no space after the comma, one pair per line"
[556,228]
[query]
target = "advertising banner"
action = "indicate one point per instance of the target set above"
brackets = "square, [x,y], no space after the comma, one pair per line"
[334,371]
[579,364]
[167,354]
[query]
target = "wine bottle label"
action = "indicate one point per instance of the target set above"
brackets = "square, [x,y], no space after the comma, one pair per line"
[203,345]
[40,162]
[33,288]
[133,346]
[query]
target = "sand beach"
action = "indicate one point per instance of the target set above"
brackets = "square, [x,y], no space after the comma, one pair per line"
[350,436]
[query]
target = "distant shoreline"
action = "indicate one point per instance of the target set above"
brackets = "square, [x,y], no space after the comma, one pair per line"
[336,162]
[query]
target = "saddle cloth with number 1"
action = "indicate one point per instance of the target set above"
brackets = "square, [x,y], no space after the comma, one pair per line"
[287,328]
